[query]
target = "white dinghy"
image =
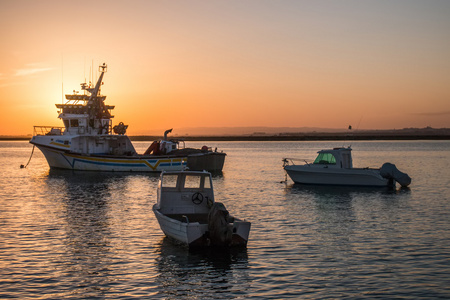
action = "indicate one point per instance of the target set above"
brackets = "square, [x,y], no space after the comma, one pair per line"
[335,167]
[187,212]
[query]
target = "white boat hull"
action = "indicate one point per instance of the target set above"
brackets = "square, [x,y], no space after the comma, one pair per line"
[195,234]
[61,159]
[334,176]
[185,233]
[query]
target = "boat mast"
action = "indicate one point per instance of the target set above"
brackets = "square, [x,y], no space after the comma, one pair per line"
[95,102]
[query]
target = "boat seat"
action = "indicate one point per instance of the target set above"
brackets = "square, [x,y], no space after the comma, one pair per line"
[201,218]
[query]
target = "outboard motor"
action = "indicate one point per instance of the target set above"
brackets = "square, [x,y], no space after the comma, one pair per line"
[390,171]
[220,231]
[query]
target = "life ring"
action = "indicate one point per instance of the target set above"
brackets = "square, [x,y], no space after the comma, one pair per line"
[121,128]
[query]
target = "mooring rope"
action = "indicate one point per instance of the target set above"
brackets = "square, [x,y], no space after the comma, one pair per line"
[32,151]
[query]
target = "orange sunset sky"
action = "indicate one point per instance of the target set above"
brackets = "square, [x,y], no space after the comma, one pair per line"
[372,64]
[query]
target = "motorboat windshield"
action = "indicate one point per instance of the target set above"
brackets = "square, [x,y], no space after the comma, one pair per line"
[325,159]
[336,157]
[186,181]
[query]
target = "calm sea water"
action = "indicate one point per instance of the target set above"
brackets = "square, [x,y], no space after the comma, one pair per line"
[67,234]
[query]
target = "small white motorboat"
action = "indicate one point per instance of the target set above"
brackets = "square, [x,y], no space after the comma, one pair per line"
[187,212]
[335,167]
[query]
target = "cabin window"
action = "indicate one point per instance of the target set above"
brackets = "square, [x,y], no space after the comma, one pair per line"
[325,159]
[207,183]
[74,123]
[192,182]
[170,181]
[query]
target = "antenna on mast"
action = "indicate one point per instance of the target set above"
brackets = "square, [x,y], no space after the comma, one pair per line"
[84,74]
[62,79]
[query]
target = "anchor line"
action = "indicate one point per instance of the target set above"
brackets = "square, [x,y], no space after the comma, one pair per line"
[32,151]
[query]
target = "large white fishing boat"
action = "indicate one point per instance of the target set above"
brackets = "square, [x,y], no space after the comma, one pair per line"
[89,141]
[335,167]
[188,214]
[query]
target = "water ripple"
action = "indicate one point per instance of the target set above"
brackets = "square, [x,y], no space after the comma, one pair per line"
[72,235]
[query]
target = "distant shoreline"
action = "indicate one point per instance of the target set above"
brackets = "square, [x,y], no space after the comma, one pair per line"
[319,137]
[296,137]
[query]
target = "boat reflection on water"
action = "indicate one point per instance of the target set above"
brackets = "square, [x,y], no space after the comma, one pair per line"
[342,192]
[97,219]
[201,273]
[85,232]
[327,212]
[340,202]
[338,223]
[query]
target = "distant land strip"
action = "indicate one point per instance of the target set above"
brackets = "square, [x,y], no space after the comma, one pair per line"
[318,137]
[357,135]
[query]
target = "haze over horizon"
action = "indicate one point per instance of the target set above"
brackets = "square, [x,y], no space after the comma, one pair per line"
[276,131]
[218,64]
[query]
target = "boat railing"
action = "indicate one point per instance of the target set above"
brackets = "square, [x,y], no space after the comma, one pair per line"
[294,161]
[48,130]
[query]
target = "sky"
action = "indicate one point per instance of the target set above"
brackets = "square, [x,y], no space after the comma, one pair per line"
[236,63]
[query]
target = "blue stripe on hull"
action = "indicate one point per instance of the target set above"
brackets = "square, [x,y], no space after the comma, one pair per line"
[140,165]
[109,163]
